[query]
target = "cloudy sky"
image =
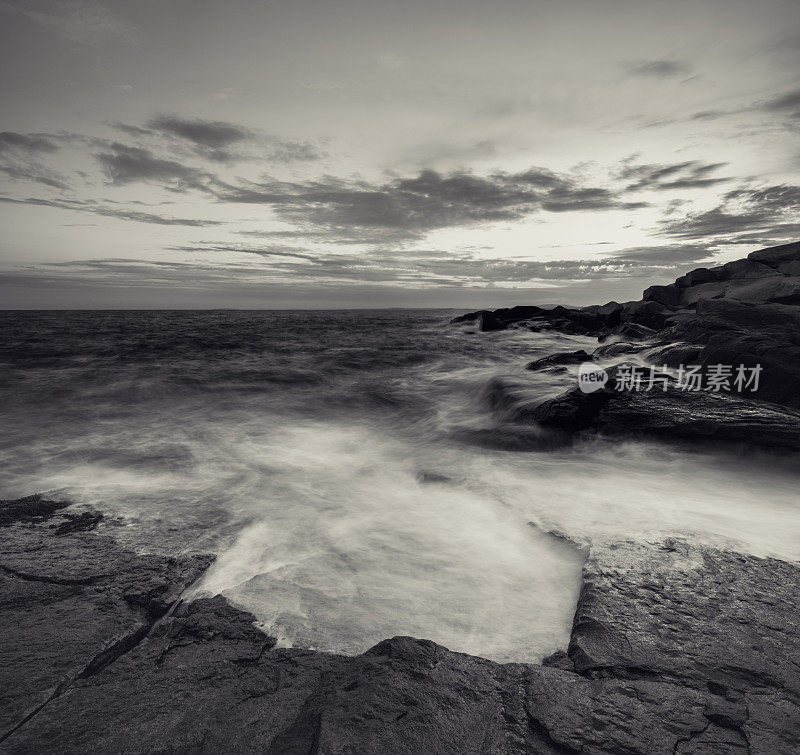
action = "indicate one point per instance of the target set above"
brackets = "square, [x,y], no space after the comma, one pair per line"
[365,153]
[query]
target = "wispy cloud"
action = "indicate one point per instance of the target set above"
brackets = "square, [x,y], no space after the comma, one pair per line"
[10,140]
[84,22]
[748,214]
[788,103]
[691,174]
[659,69]
[96,208]
[220,141]
[124,164]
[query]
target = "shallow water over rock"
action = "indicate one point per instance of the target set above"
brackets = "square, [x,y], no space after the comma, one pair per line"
[352,472]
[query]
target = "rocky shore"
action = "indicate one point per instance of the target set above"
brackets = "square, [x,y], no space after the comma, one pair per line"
[675,648]
[744,313]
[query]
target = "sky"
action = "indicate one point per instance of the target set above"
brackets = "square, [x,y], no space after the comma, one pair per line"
[368,154]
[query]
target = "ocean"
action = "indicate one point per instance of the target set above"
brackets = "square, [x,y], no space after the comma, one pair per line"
[351,470]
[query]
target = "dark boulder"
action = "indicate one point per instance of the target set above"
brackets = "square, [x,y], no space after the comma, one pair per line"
[489,323]
[610,313]
[696,277]
[670,412]
[752,315]
[648,313]
[630,331]
[469,317]
[789,268]
[734,333]
[700,415]
[564,357]
[676,354]
[781,289]
[744,270]
[618,348]
[669,295]
[32,508]
[564,319]
[775,255]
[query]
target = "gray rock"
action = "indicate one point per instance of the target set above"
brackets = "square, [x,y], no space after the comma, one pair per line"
[789,268]
[648,313]
[777,254]
[674,649]
[675,355]
[744,269]
[695,277]
[618,348]
[205,680]
[610,313]
[670,295]
[489,322]
[561,358]
[735,615]
[32,508]
[70,603]
[670,413]
[782,289]
[630,331]
[731,332]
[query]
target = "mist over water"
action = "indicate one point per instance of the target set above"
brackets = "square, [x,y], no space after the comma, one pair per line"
[350,472]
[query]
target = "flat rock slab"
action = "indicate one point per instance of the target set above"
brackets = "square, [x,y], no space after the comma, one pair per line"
[70,603]
[675,649]
[702,618]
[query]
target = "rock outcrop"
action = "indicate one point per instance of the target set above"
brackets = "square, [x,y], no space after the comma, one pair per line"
[768,275]
[676,648]
[744,313]
[666,410]
[71,602]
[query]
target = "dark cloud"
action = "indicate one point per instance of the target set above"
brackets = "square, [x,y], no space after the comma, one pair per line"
[27,142]
[786,103]
[124,164]
[657,68]
[35,175]
[210,134]
[220,141]
[766,214]
[691,174]
[20,158]
[111,212]
[288,151]
[408,207]
[127,128]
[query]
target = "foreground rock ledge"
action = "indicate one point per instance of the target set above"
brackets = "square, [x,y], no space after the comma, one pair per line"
[675,648]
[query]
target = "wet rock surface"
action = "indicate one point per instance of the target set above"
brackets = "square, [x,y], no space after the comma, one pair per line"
[70,602]
[742,314]
[675,648]
[562,358]
[673,412]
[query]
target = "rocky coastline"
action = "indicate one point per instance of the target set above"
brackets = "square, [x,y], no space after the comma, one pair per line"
[675,647]
[743,313]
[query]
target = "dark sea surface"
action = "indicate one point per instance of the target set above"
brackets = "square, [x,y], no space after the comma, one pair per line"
[349,470]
